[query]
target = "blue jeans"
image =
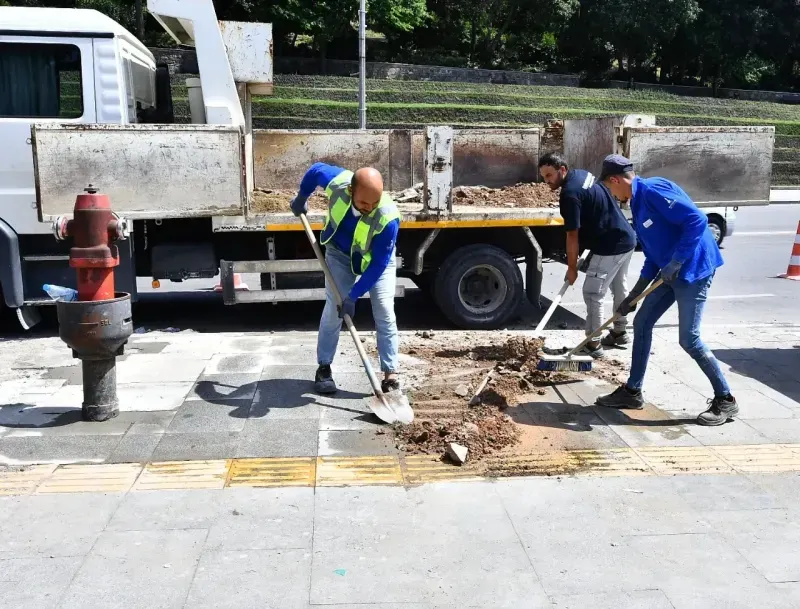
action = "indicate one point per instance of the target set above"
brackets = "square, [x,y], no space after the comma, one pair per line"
[382,298]
[691,298]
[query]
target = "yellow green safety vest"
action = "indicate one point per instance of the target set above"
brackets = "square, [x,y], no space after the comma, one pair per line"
[339,203]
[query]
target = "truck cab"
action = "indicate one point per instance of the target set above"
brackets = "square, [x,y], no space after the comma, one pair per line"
[63,66]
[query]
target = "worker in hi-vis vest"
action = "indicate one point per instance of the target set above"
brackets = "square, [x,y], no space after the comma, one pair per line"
[359,236]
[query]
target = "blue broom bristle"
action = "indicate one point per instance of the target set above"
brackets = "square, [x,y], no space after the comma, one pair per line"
[565,365]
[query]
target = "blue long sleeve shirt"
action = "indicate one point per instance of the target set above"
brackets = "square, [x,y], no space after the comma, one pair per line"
[671,227]
[383,244]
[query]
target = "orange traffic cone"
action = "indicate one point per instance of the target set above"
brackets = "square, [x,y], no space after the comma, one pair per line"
[237,284]
[793,272]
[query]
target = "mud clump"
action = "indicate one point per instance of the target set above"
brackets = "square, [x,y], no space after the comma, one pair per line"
[483,430]
[266,201]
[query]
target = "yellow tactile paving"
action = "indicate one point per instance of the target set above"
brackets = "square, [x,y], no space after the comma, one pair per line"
[358,471]
[183,475]
[296,471]
[94,478]
[24,481]
[392,470]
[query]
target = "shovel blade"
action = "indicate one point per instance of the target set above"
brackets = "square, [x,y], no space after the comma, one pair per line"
[392,408]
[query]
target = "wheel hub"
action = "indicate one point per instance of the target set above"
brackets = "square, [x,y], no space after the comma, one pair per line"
[482,289]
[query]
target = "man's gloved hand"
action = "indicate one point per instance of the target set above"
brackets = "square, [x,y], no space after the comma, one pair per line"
[670,272]
[627,306]
[299,205]
[348,307]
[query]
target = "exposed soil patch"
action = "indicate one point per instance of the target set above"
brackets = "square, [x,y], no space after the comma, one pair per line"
[531,195]
[277,201]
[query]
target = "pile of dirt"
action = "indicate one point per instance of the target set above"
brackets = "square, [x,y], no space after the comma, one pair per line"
[483,430]
[277,201]
[526,195]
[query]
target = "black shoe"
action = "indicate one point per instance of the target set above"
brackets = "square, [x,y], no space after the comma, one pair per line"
[623,399]
[720,411]
[615,339]
[388,385]
[594,350]
[323,380]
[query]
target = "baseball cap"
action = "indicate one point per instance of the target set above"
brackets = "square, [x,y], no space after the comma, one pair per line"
[615,164]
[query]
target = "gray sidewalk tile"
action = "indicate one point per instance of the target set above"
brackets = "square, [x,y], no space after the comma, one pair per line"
[263,519]
[217,387]
[146,397]
[712,492]
[304,354]
[681,398]
[648,427]
[755,405]
[200,416]
[8,505]
[635,599]
[785,393]
[245,363]
[35,583]
[137,570]
[135,448]
[153,422]
[356,443]
[278,438]
[56,525]
[167,509]
[192,446]
[339,413]
[768,539]
[57,449]
[246,344]
[677,563]
[44,421]
[736,432]
[287,371]
[161,368]
[251,579]
[564,431]
[379,606]
[784,488]
[284,399]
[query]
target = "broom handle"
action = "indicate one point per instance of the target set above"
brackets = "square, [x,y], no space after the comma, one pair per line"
[652,287]
[373,380]
[557,299]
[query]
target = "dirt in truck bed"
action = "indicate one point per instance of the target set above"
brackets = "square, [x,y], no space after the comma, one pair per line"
[535,195]
[443,392]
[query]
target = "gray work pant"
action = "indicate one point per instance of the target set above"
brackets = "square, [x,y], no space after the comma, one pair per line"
[605,272]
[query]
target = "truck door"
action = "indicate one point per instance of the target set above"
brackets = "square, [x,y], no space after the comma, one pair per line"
[42,79]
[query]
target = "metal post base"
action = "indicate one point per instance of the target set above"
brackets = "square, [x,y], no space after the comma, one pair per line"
[100,401]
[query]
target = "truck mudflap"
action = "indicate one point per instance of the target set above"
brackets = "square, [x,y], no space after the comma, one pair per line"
[231,294]
[11,270]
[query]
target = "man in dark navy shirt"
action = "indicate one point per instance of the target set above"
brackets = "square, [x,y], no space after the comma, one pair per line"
[593,221]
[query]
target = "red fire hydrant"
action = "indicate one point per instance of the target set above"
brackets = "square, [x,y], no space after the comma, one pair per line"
[99,323]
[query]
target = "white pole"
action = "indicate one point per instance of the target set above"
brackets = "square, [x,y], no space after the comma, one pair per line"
[362,67]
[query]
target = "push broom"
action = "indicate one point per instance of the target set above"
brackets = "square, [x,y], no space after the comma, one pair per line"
[569,362]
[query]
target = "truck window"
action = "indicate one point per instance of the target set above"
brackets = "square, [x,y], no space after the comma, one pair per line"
[40,81]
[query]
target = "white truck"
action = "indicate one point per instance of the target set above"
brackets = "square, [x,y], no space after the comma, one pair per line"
[86,104]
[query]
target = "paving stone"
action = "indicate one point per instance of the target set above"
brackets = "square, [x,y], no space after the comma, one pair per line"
[167,509]
[8,504]
[784,488]
[246,344]
[152,422]
[57,449]
[711,492]
[255,578]
[44,421]
[161,368]
[564,431]
[200,416]
[193,446]
[343,413]
[676,562]
[70,375]
[224,387]
[648,427]
[244,363]
[768,539]
[736,432]
[681,398]
[755,405]
[56,525]
[289,372]
[263,519]
[635,599]
[35,583]
[354,444]
[137,569]
[284,399]
[278,438]
[146,397]
[135,448]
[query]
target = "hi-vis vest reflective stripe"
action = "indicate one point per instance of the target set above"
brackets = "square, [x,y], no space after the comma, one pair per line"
[339,203]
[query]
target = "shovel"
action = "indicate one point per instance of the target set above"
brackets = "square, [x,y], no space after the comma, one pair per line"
[389,408]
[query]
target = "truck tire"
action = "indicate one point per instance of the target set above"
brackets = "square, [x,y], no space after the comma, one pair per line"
[478,287]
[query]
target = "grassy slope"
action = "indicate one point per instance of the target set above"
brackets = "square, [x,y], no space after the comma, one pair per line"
[331,102]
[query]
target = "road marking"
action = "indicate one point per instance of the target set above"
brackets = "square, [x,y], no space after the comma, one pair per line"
[764,233]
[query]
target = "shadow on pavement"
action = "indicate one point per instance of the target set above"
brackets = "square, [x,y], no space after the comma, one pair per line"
[775,368]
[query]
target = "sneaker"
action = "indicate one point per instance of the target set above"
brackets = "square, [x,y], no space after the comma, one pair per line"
[615,339]
[388,385]
[594,350]
[323,380]
[623,399]
[720,411]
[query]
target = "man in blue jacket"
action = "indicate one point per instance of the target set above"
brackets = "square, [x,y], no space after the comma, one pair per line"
[677,244]
[359,236]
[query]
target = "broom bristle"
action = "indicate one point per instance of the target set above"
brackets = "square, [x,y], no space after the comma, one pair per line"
[565,365]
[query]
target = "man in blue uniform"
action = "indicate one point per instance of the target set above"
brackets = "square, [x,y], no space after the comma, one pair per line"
[677,244]
[594,221]
[359,236]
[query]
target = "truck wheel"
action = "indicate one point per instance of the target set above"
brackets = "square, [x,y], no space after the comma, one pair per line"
[717,227]
[479,287]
